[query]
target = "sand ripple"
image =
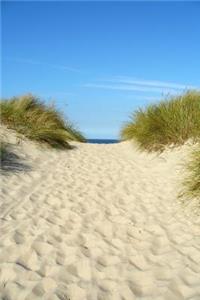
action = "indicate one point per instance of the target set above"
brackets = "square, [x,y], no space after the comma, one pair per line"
[100,222]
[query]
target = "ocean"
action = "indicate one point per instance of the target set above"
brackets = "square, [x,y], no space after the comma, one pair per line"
[102,141]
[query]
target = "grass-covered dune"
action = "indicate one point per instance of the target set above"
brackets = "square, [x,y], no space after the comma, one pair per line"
[38,121]
[172,121]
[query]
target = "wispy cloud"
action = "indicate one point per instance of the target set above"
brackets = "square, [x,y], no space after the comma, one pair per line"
[128,84]
[40,63]
[126,87]
[154,83]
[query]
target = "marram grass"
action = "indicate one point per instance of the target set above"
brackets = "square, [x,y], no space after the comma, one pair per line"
[192,182]
[37,121]
[170,122]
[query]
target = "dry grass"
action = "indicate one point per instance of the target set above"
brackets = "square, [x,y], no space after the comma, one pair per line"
[37,121]
[170,122]
[192,182]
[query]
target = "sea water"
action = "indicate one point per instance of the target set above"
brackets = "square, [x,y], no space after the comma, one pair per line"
[102,141]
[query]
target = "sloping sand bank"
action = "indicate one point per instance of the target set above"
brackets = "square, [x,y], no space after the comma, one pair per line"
[98,222]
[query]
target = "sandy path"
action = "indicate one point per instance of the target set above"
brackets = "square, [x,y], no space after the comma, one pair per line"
[99,222]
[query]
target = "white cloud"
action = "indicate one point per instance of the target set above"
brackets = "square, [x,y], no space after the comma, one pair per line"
[154,83]
[126,87]
[35,62]
[128,84]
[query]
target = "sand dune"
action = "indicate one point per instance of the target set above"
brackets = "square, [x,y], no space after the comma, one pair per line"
[98,222]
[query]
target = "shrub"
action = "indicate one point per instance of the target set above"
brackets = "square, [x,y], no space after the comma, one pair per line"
[38,121]
[170,122]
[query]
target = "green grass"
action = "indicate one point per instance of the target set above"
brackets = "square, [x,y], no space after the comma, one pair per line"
[37,121]
[170,122]
[192,182]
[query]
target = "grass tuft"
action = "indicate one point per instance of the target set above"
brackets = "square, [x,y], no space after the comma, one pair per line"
[192,182]
[37,121]
[170,122]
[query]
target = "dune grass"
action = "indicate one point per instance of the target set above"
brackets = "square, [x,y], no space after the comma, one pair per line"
[170,122]
[192,182]
[37,121]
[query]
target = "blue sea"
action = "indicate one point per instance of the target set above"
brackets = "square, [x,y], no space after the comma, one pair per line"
[102,141]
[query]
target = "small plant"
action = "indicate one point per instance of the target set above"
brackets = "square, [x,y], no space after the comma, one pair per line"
[170,122]
[192,182]
[38,121]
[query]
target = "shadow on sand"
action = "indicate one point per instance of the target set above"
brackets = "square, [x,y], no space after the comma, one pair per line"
[11,162]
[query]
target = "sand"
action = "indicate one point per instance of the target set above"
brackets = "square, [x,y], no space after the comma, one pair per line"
[99,222]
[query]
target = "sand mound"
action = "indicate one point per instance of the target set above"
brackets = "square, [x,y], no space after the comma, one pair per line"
[98,222]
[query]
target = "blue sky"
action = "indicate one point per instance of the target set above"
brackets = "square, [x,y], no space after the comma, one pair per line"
[98,61]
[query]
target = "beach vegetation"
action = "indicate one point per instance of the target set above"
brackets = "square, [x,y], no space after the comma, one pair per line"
[192,181]
[170,122]
[30,116]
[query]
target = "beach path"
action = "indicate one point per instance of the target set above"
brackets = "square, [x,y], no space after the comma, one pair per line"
[99,222]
